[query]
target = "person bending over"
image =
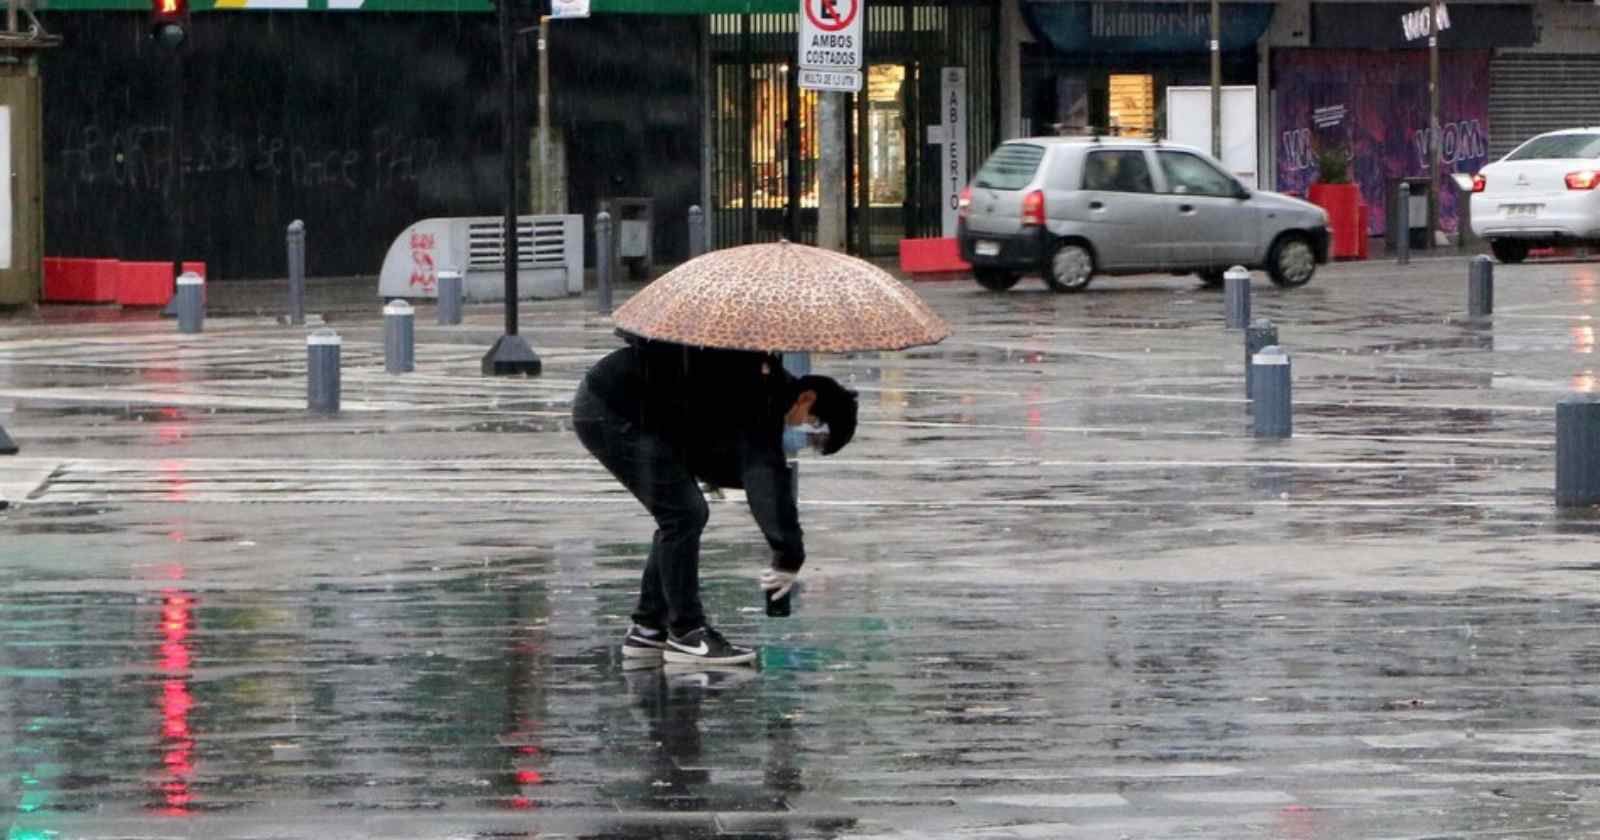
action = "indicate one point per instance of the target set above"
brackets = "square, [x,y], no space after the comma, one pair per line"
[664,417]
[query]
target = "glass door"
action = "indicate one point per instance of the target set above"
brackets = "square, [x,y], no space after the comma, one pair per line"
[882,172]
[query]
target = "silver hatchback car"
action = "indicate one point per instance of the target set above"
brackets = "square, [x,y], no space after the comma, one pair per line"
[1074,207]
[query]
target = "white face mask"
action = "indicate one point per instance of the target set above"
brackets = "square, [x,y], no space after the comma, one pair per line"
[796,438]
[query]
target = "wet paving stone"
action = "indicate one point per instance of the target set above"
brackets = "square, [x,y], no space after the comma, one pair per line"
[1055,589]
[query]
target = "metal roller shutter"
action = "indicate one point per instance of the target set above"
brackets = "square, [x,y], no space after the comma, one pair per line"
[1531,93]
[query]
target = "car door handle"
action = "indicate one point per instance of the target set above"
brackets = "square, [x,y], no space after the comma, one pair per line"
[1097,205]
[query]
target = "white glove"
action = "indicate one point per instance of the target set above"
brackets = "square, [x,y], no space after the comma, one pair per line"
[777,584]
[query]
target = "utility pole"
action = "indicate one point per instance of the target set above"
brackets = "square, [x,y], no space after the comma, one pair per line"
[1216,79]
[832,190]
[1433,122]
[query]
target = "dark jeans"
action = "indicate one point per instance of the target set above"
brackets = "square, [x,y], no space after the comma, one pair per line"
[669,593]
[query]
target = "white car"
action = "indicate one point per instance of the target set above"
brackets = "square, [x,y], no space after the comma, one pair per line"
[1544,193]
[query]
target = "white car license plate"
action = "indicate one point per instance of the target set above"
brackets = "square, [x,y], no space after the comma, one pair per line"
[1521,211]
[985,248]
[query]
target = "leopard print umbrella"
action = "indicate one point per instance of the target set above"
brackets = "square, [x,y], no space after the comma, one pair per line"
[781,296]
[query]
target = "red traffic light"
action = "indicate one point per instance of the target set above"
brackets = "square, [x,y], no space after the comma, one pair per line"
[169,21]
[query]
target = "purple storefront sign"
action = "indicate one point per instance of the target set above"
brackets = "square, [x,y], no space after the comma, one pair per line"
[1375,104]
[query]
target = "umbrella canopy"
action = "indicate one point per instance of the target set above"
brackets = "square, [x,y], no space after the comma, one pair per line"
[780,296]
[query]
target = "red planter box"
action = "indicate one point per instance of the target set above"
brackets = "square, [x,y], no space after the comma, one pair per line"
[1343,203]
[144,283]
[79,280]
[931,256]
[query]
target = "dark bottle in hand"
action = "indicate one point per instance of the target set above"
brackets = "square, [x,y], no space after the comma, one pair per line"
[778,607]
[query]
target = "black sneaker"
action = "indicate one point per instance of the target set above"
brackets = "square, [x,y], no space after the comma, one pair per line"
[642,646]
[706,646]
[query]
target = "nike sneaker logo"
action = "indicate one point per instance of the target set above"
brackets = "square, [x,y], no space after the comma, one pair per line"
[698,650]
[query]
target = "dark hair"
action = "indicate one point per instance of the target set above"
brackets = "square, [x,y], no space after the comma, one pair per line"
[835,406]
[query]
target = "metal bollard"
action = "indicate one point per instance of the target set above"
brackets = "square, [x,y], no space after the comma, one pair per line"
[297,272]
[322,372]
[697,231]
[191,302]
[1236,288]
[1578,451]
[605,261]
[1259,335]
[399,337]
[1480,287]
[1272,396]
[1402,219]
[449,309]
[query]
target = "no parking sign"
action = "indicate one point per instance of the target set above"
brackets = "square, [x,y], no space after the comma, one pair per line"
[830,44]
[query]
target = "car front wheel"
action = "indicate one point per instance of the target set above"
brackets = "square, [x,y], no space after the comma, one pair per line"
[1509,251]
[1071,268]
[994,279]
[1292,261]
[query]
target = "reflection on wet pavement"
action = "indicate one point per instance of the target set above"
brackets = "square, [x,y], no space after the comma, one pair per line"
[1056,591]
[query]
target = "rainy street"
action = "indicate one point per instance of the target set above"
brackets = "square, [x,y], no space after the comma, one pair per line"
[1056,588]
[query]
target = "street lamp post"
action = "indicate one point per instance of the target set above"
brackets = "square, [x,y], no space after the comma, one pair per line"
[510,355]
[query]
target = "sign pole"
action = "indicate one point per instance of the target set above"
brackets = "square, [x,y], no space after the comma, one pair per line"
[544,116]
[1433,121]
[1216,79]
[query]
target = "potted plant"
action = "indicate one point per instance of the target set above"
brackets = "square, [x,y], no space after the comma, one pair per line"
[1333,192]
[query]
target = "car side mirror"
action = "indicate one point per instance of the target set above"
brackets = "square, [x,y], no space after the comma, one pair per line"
[1243,193]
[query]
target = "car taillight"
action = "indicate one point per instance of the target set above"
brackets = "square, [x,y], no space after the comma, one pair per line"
[964,204]
[1478,183]
[1586,179]
[1033,208]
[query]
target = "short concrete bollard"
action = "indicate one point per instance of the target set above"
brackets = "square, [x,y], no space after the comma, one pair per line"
[1272,397]
[449,309]
[1480,287]
[322,372]
[399,337]
[697,231]
[605,261]
[1236,289]
[297,272]
[1259,335]
[191,302]
[1578,451]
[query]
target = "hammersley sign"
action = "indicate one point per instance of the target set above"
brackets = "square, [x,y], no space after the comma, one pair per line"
[1125,20]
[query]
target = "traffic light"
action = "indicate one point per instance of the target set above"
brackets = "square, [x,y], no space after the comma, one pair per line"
[169,22]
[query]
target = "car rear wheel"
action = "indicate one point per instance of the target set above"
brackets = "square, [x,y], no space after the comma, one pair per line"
[1292,261]
[1071,268]
[994,279]
[1211,279]
[1509,251]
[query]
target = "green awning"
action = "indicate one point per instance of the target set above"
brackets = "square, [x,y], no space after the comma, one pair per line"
[274,5]
[693,7]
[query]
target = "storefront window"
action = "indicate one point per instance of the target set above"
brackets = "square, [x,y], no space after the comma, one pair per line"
[886,133]
[1133,105]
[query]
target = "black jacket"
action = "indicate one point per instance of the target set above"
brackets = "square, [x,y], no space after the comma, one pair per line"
[722,412]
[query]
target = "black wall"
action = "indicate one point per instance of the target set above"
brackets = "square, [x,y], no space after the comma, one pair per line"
[358,123]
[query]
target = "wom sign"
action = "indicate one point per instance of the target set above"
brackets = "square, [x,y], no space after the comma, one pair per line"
[1415,24]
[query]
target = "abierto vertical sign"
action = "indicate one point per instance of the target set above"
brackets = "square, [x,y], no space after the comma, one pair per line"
[953,163]
[831,44]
